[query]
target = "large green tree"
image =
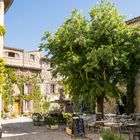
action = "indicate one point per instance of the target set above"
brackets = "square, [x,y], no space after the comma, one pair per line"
[93,56]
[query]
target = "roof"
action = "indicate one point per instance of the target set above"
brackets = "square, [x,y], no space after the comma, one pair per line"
[14,49]
[133,20]
[7,4]
[45,58]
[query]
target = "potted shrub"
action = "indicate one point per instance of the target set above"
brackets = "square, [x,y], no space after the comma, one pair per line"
[108,135]
[38,119]
[51,122]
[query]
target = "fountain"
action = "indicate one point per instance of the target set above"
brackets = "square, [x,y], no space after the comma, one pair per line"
[65,104]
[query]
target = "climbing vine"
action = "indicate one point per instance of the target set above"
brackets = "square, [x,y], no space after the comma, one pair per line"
[18,82]
[2,30]
[2,69]
[8,88]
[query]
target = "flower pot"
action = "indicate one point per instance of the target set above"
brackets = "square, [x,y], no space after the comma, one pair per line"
[68,131]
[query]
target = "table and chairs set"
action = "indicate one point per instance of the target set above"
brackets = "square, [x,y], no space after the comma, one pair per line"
[122,124]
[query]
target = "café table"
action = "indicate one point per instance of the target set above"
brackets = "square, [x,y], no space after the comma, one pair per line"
[113,125]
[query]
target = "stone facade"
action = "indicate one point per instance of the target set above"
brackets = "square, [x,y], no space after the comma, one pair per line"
[50,85]
[29,63]
[136,22]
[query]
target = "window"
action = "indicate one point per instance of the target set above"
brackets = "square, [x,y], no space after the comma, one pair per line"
[32,57]
[27,105]
[11,54]
[46,88]
[52,88]
[16,55]
[26,89]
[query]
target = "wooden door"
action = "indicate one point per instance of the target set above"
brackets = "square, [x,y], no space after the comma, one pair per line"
[16,108]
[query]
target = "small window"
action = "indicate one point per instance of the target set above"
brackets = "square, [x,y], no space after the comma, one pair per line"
[52,88]
[26,89]
[27,105]
[16,55]
[11,54]
[32,57]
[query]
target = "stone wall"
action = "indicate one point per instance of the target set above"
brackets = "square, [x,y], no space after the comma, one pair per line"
[135,23]
[13,60]
[28,62]
[38,65]
[48,80]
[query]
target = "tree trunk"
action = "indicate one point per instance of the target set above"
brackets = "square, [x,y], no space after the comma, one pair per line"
[137,94]
[130,94]
[100,106]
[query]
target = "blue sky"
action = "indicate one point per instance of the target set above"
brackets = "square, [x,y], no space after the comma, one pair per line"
[27,20]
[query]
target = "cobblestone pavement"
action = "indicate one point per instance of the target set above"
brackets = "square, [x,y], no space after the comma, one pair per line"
[22,129]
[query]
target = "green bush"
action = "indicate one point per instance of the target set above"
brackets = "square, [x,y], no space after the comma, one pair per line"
[50,121]
[108,135]
[36,117]
[54,117]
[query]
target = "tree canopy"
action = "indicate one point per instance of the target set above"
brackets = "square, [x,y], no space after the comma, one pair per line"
[93,56]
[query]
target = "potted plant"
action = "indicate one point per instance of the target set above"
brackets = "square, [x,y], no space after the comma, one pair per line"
[38,119]
[51,122]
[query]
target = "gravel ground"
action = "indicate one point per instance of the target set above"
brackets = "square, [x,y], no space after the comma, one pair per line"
[22,129]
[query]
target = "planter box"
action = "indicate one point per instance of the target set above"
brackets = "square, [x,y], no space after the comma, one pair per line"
[68,131]
[52,126]
[38,123]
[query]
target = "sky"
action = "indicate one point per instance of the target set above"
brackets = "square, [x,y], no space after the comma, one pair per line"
[27,20]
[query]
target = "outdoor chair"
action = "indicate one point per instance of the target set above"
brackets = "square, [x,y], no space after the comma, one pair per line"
[90,121]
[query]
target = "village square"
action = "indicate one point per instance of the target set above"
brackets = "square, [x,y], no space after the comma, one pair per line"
[82,80]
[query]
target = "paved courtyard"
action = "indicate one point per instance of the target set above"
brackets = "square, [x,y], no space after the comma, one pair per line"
[22,129]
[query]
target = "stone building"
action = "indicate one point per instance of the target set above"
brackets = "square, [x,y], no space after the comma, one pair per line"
[136,22]
[31,63]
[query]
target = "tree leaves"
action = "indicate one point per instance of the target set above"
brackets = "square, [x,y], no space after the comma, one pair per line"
[93,55]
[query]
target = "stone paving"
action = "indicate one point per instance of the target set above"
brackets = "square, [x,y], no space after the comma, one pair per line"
[22,129]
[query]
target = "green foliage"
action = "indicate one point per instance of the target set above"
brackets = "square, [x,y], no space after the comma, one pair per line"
[8,89]
[37,98]
[46,105]
[54,118]
[108,135]
[35,93]
[50,121]
[94,56]
[2,69]
[2,30]
[67,115]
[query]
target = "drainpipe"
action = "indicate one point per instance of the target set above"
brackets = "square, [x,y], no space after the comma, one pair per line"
[1,53]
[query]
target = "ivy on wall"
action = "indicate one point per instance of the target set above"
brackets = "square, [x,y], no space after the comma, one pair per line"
[2,69]
[9,95]
[8,88]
